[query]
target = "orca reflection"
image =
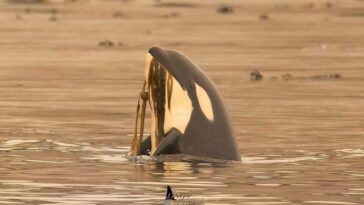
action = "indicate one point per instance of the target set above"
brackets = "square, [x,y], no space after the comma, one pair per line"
[187,113]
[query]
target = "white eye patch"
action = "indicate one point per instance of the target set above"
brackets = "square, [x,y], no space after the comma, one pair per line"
[205,103]
[181,109]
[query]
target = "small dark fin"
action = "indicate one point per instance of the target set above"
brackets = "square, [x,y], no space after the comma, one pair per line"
[169,195]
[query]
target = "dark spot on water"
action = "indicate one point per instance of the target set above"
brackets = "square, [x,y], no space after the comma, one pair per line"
[256,76]
[53,18]
[118,14]
[225,9]
[286,76]
[263,17]
[106,43]
[310,5]
[329,5]
[331,76]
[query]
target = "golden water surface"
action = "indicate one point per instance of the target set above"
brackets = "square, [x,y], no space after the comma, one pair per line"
[70,73]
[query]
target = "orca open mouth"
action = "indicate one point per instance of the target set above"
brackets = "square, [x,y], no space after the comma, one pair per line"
[157,90]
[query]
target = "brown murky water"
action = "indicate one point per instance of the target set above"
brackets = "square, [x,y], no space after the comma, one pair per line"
[67,103]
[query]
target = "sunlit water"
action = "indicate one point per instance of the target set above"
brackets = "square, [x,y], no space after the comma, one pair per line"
[86,174]
[67,104]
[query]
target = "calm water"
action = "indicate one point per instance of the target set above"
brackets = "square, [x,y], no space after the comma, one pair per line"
[54,172]
[300,153]
[67,104]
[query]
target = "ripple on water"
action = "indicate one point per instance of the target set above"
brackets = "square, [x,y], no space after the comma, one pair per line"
[351,153]
[185,183]
[50,144]
[355,191]
[117,158]
[330,202]
[270,185]
[18,142]
[176,171]
[263,160]
[30,191]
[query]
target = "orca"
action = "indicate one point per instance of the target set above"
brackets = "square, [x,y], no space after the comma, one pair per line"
[188,115]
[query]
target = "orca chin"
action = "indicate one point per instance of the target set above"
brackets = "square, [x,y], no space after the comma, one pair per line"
[187,113]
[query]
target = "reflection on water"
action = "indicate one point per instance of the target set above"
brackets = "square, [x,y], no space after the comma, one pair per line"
[143,180]
[255,160]
[351,153]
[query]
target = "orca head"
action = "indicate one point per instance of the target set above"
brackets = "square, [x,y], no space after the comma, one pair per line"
[170,104]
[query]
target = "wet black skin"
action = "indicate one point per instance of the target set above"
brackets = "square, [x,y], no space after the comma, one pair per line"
[168,145]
